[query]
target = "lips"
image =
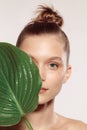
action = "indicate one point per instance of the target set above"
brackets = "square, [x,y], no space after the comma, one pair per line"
[43,90]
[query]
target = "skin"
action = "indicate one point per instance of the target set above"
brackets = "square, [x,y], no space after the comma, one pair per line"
[48,54]
[47,51]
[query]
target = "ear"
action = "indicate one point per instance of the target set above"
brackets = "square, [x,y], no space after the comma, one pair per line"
[67,73]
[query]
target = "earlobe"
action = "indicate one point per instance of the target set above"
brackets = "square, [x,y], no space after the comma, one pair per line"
[67,73]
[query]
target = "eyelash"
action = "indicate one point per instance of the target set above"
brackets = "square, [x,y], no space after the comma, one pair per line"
[53,66]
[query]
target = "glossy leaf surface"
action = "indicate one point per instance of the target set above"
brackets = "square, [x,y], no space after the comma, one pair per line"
[20,83]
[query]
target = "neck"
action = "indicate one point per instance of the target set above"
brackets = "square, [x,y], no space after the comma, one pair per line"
[42,116]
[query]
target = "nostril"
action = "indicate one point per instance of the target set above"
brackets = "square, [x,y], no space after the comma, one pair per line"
[43,77]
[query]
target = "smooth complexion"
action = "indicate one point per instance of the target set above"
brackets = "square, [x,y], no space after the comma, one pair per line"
[48,54]
[47,51]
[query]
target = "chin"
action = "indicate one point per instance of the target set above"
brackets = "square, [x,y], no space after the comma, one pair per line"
[42,102]
[45,101]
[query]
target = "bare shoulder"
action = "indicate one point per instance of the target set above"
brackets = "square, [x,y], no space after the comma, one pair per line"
[71,124]
[76,125]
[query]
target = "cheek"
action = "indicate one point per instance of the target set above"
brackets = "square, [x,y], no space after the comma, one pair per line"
[55,77]
[55,80]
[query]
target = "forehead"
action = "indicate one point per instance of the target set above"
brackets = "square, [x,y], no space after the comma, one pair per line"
[44,47]
[47,42]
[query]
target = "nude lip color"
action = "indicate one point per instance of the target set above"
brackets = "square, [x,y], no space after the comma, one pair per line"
[43,90]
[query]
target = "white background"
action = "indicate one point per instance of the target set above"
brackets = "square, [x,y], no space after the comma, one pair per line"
[14,14]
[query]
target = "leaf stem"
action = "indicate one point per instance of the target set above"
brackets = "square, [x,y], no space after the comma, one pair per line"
[28,123]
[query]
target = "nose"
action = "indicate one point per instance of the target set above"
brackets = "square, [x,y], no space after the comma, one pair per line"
[42,73]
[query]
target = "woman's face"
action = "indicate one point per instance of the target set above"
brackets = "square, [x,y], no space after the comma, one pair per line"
[48,54]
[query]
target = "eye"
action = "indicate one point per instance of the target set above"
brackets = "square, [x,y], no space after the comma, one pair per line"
[53,66]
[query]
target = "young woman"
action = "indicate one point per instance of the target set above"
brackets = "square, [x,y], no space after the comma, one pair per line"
[47,44]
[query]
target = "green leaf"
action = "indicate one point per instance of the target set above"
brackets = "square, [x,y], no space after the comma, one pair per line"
[20,83]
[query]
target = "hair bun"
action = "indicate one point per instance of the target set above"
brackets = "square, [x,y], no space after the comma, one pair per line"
[47,14]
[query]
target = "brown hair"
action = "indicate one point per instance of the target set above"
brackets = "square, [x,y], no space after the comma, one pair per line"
[47,21]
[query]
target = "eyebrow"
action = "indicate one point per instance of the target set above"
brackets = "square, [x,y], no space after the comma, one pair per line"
[55,58]
[50,58]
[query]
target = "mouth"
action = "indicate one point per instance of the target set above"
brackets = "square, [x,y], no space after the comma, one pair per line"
[43,90]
